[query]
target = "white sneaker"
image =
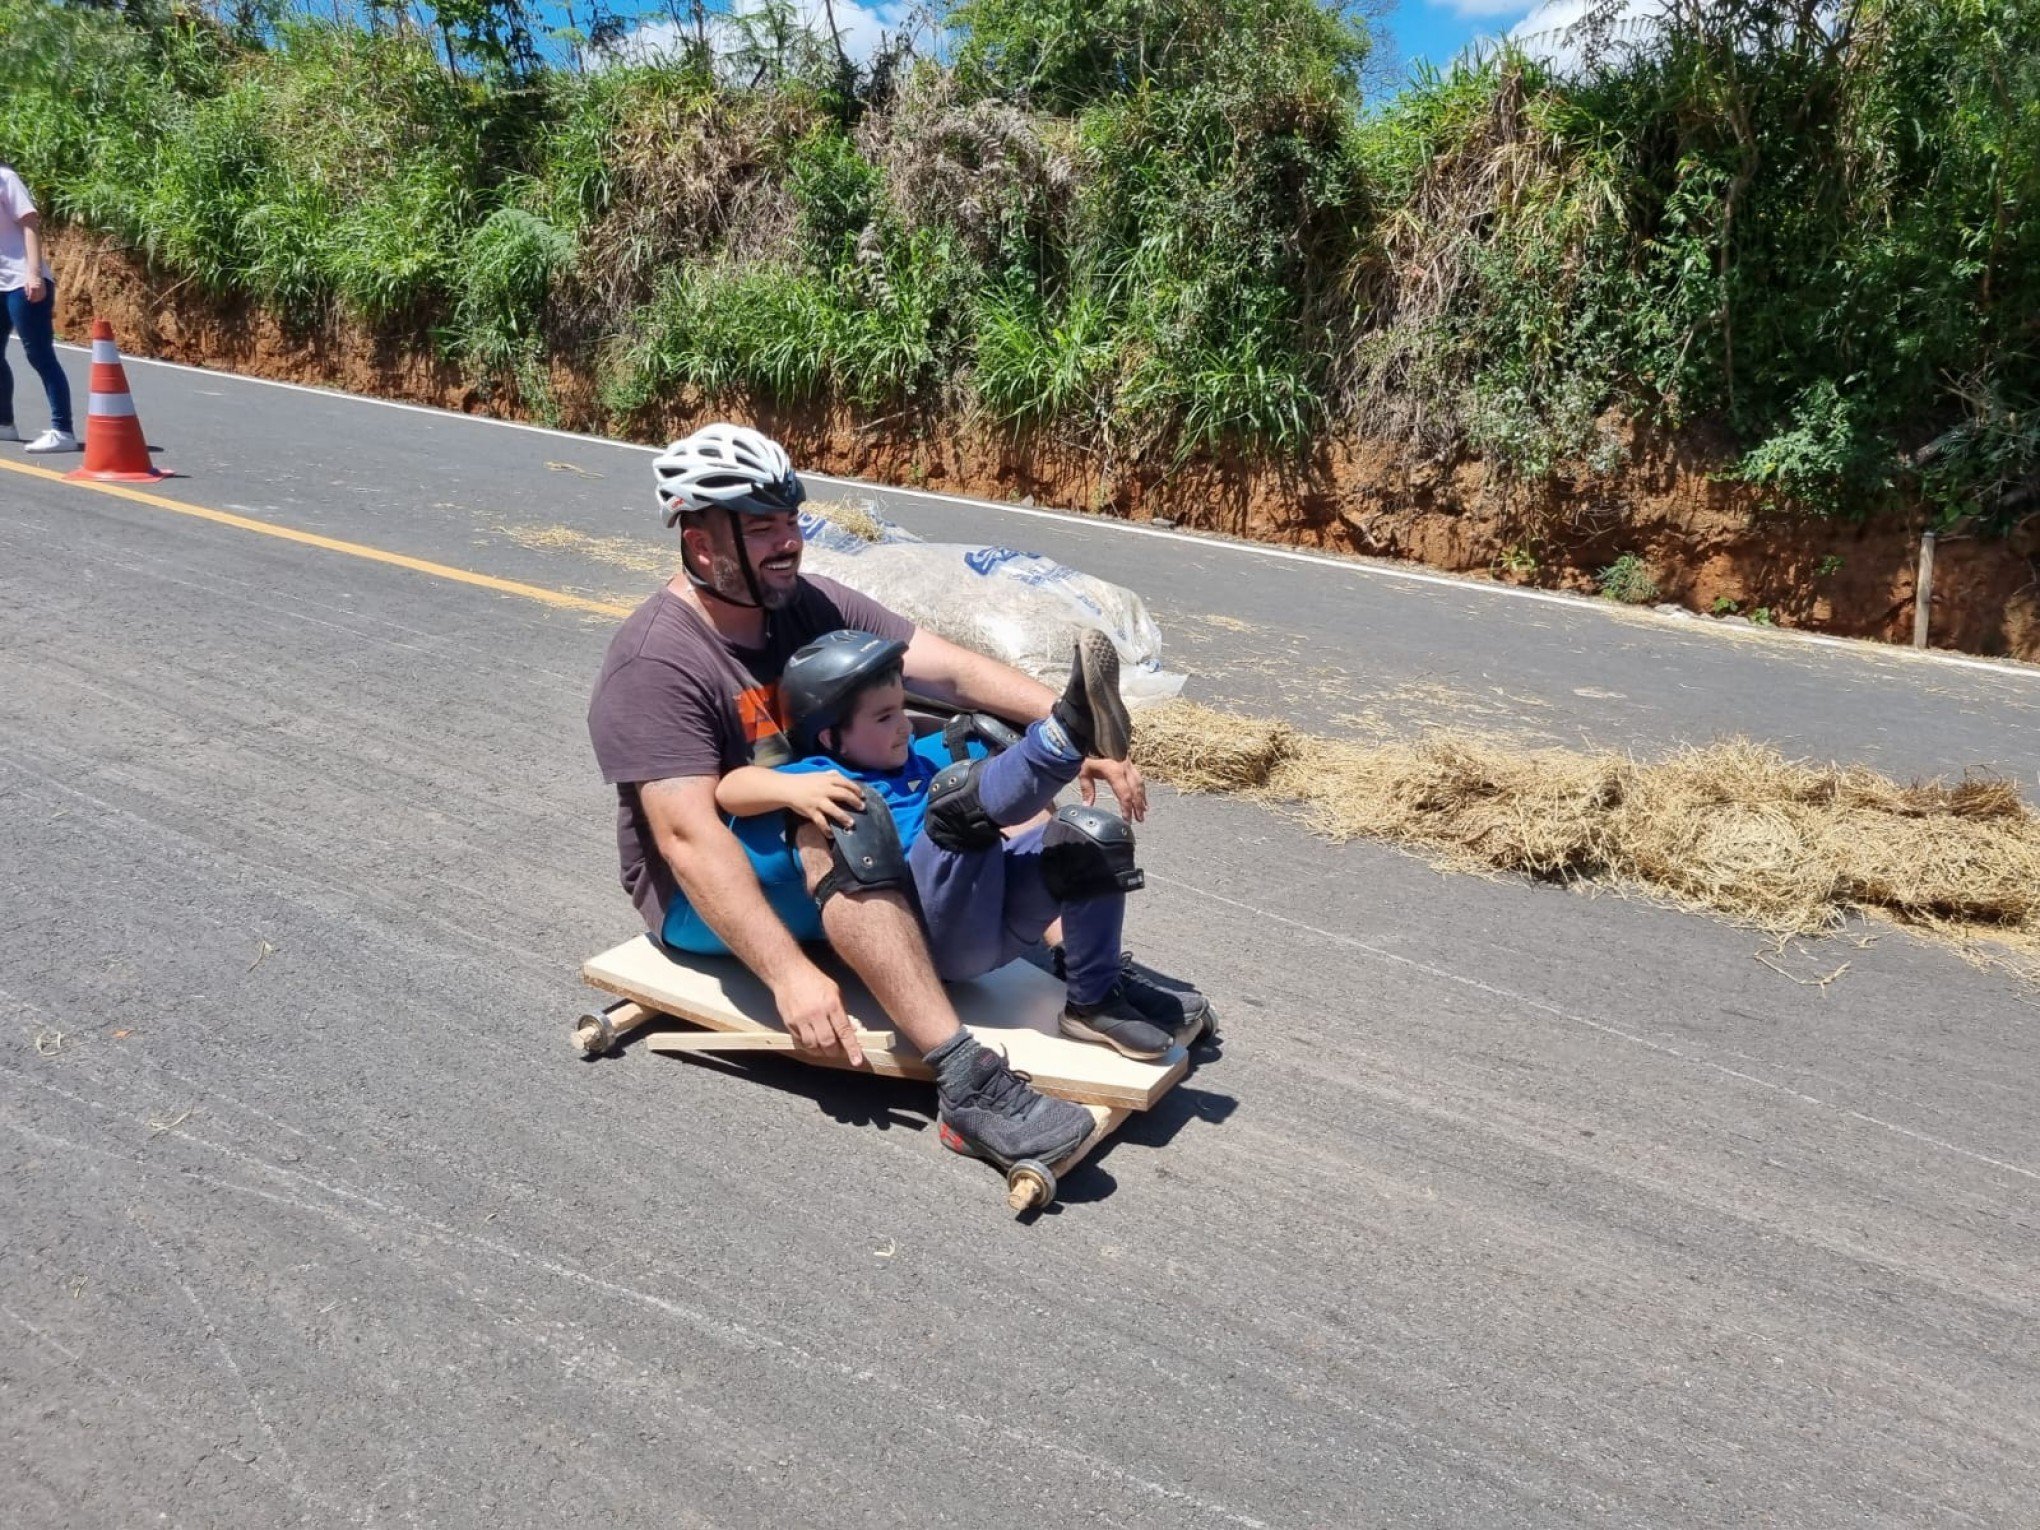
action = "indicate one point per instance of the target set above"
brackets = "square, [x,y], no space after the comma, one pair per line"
[9,433]
[53,441]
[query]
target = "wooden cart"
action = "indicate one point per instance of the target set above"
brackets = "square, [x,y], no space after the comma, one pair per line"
[1014,1010]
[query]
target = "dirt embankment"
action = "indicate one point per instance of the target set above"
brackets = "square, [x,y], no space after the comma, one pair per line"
[1704,543]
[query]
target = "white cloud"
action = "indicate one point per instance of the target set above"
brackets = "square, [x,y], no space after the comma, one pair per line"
[1550,16]
[862,28]
[1488,7]
[1547,33]
[650,43]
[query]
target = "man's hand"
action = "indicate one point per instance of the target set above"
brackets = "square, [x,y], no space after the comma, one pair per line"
[1128,786]
[824,798]
[35,288]
[812,1007]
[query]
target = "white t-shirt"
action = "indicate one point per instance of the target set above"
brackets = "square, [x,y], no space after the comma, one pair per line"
[15,204]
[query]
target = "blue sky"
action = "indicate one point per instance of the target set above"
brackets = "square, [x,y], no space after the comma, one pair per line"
[1435,30]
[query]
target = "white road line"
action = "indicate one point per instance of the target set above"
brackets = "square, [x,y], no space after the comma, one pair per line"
[1584,605]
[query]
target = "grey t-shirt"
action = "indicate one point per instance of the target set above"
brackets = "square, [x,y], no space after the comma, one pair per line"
[676,698]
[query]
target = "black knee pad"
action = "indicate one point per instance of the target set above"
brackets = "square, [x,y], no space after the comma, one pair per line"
[982,727]
[1087,852]
[866,855]
[956,818]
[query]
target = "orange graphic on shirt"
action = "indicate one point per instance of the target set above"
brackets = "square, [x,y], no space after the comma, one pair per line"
[758,711]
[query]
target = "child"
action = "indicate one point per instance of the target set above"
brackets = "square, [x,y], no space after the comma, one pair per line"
[985,896]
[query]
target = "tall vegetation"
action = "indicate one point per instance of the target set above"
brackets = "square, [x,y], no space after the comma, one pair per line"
[1151,228]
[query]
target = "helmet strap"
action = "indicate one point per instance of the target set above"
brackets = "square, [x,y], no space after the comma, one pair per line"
[744,560]
[710,592]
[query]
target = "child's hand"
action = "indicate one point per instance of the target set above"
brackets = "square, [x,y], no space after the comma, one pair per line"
[825,799]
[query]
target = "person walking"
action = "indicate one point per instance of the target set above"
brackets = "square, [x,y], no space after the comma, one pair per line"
[28,304]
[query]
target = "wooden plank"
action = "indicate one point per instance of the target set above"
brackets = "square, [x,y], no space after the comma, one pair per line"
[1104,1124]
[750,1041]
[1014,1009]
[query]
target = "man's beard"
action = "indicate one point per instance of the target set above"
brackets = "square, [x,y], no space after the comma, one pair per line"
[731,584]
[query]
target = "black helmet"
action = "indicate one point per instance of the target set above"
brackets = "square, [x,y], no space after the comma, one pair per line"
[816,686]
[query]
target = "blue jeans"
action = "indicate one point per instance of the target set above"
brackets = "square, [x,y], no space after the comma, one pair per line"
[32,320]
[982,908]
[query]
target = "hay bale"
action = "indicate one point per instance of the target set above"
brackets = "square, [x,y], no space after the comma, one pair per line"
[1952,856]
[1734,827]
[1200,749]
[858,520]
[1725,826]
[1537,812]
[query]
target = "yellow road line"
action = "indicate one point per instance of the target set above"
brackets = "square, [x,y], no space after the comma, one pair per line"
[558,598]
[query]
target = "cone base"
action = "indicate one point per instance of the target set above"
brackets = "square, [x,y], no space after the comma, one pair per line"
[110,475]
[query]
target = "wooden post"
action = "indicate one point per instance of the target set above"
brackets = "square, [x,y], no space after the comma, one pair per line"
[1923,590]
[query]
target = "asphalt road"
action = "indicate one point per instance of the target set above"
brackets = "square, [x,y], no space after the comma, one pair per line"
[1502,1207]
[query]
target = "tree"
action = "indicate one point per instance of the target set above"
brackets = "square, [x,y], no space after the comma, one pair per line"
[1064,54]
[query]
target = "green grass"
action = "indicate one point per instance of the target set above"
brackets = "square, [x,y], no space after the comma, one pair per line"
[1629,580]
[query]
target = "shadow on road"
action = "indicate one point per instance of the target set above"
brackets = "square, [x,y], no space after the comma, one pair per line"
[909,1104]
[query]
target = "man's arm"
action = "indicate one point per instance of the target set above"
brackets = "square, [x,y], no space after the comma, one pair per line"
[972,682]
[32,252]
[716,875]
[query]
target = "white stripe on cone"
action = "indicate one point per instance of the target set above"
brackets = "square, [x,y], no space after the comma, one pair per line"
[105,350]
[110,404]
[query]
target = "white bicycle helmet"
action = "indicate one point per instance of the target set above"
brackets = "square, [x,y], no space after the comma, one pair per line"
[731,466]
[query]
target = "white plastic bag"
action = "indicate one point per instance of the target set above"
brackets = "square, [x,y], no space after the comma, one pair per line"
[1019,607]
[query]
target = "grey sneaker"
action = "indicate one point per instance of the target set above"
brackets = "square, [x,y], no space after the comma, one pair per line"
[997,1117]
[9,433]
[1089,709]
[1114,1021]
[1163,1001]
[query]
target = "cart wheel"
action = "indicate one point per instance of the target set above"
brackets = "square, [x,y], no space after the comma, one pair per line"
[1030,1185]
[594,1034]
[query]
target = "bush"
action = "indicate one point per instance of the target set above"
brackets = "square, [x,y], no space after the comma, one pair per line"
[505,275]
[1168,227]
[1824,456]
[722,330]
[1035,367]
[837,191]
[1067,54]
[1629,580]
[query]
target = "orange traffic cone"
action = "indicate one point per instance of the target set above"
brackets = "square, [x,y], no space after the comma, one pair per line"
[114,448]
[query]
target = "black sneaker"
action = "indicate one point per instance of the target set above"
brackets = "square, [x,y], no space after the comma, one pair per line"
[1114,1021]
[996,1116]
[1089,709]
[1163,1001]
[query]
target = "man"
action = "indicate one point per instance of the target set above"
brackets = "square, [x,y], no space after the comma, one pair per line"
[689,691]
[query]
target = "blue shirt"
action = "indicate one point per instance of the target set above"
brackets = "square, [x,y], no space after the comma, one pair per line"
[904,791]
